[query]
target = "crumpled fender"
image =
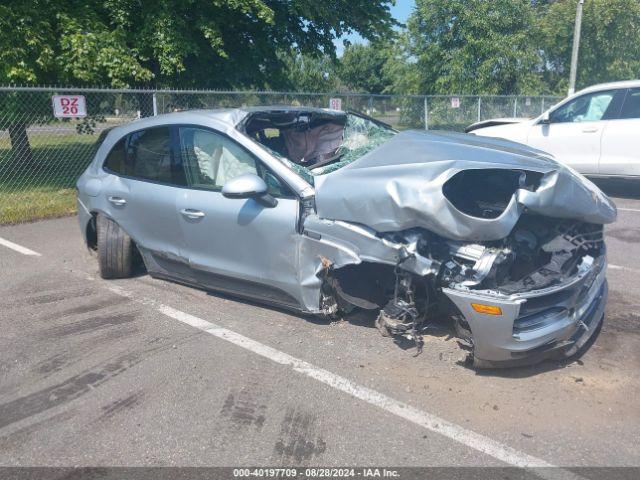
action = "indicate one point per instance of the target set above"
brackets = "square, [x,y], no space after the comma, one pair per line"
[567,194]
[336,243]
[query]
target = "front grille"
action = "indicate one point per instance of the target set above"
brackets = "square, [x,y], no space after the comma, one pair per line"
[538,320]
[538,312]
[537,305]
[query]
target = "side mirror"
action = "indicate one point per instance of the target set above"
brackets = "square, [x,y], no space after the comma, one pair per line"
[249,185]
[544,119]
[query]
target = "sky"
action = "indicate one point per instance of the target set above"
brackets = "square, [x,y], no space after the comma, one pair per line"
[400,11]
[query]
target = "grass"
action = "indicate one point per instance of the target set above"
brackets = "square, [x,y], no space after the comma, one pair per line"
[36,203]
[47,187]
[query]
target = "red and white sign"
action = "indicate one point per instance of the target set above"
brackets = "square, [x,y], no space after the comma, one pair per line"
[69,106]
[455,102]
[335,103]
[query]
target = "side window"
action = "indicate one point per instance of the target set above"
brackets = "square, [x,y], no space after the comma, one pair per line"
[590,107]
[146,155]
[631,105]
[211,159]
[149,156]
[115,160]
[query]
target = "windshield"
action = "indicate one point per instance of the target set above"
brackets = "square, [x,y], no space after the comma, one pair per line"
[361,135]
[316,142]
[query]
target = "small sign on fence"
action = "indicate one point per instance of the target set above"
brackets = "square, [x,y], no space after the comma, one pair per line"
[69,106]
[455,102]
[335,103]
[527,101]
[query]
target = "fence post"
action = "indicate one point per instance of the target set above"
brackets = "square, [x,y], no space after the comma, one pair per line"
[155,104]
[515,107]
[479,108]
[426,113]
[542,111]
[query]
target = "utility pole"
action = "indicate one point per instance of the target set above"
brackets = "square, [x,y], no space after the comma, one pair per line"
[576,47]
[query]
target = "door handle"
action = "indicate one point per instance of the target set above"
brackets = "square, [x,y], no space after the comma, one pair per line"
[590,130]
[118,201]
[191,213]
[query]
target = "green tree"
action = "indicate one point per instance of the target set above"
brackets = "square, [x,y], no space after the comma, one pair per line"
[401,69]
[202,43]
[609,47]
[474,46]
[307,73]
[198,43]
[18,110]
[362,67]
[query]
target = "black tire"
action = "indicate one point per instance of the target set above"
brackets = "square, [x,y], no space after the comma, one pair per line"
[115,250]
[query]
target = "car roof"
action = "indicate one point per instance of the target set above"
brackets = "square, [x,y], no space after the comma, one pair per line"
[611,85]
[228,116]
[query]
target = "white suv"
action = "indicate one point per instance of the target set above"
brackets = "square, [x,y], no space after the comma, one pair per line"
[596,131]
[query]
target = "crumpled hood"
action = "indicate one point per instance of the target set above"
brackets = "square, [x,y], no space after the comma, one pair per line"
[399,186]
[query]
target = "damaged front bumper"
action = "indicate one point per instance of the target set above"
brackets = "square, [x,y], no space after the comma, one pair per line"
[535,325]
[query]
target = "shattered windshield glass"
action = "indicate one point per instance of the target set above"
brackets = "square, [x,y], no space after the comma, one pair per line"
[304,172]
[316,142]
[361,135]
[320,144]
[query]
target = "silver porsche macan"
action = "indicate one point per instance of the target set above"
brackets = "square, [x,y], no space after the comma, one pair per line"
[325,211]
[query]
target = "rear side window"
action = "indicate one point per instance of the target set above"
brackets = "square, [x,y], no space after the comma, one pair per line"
[631,105]
[115,161]
[147,155]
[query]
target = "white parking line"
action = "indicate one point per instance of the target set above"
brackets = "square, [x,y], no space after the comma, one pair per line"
[418,417]
[620,267]
[629,209]
[18,248]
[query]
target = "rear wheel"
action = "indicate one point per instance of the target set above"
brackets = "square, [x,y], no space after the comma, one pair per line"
[115,250]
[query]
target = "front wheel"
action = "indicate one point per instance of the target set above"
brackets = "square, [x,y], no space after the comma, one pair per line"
[115,250]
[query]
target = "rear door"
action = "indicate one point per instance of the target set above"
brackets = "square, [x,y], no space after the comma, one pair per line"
[140,195]
[574,131]
[621,139]
[238,245]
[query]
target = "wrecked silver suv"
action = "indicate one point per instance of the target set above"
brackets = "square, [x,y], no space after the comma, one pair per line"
[323,211]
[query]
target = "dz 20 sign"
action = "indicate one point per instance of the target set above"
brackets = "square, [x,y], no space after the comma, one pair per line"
[69,106]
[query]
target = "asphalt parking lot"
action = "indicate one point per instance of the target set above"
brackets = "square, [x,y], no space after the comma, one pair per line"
[144,372]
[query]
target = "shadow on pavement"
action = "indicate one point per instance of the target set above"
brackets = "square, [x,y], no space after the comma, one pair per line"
[619,187]
[439,328]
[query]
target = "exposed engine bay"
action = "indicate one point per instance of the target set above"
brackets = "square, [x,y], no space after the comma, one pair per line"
[539,253]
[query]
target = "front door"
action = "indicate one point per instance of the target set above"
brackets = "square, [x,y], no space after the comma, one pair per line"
[574,131]
[238,245]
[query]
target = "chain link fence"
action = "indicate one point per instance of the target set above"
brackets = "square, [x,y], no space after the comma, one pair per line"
[42,155]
